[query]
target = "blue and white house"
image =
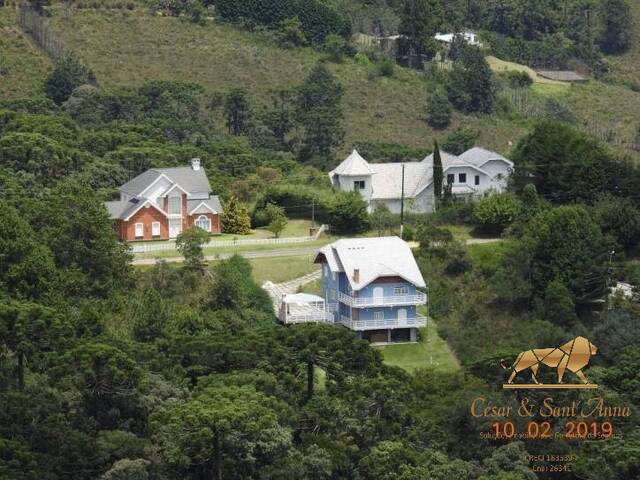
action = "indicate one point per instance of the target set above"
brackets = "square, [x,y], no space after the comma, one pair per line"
[374,287]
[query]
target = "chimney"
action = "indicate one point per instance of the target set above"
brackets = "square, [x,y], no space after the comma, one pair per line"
[195,164]
[356,275]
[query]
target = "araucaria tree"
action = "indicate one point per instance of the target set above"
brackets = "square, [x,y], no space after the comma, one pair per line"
[618,26]
[319,111]
[419,22]
[237,111]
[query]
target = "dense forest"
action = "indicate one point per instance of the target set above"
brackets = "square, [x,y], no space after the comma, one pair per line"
[182,372]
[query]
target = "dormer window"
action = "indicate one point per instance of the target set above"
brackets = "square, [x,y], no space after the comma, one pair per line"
[359,185]
[175,205]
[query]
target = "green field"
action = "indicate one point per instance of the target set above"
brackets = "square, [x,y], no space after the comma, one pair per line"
[432,352]
[282,269]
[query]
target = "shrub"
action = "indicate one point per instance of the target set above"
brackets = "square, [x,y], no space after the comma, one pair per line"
[386,67]
[67,75]
[438,110]
[291,33]
[336,47]
[460,140]
[496,212]
[349,214]
[519,79]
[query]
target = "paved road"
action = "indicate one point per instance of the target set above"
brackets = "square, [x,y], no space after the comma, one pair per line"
[284,252]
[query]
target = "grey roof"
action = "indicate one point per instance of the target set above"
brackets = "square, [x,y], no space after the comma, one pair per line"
[123,209]
[373,258]
[116,208]
[213,202]
[478,156]
[193,181]
[354,165]
[137,185]
[386,178]
[387,183]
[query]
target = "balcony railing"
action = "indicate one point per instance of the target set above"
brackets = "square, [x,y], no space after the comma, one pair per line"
[418,298]
[418,321]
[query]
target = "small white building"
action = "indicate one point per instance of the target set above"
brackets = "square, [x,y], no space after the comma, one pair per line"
[469,37]
[475,173]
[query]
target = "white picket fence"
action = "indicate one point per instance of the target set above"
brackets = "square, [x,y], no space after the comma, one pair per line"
[240,242]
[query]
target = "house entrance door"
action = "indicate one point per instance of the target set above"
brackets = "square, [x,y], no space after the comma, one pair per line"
[175,227]
[402,316]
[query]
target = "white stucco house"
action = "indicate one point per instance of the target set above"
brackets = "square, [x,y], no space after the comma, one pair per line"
[469,37]
[473,174]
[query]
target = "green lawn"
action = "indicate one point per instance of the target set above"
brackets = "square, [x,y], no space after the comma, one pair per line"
[239,249]
[430,352]
[314,288]
[281,269]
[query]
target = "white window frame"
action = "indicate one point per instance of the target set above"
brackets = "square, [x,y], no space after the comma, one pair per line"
[460,175]
[378,315]
[155,229]
[477,180]
[139,230]
[398,291]
[201,217]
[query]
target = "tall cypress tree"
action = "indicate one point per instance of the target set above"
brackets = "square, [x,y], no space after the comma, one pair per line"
[437,174]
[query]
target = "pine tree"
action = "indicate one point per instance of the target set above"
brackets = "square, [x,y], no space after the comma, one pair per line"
[237,111]
[616,35]
[320,113]
[235,218]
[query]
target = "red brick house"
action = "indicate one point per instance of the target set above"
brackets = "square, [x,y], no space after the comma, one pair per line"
[162,202]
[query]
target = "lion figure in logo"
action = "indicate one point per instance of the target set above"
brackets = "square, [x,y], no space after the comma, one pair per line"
[573,356]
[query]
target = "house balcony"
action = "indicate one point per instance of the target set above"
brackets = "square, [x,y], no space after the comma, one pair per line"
[418,298]
[418,321]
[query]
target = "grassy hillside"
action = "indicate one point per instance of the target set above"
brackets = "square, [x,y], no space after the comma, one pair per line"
[22,65]
[125,48]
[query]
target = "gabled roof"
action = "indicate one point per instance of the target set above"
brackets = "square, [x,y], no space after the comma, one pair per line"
[354,165]
[134,207]
[373,258]
[478,156]
[124,210]
[188,179]
[138,184]
[212,204]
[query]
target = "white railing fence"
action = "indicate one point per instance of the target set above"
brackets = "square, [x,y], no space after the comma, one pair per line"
[418,298]
[418,321]
[236,242]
